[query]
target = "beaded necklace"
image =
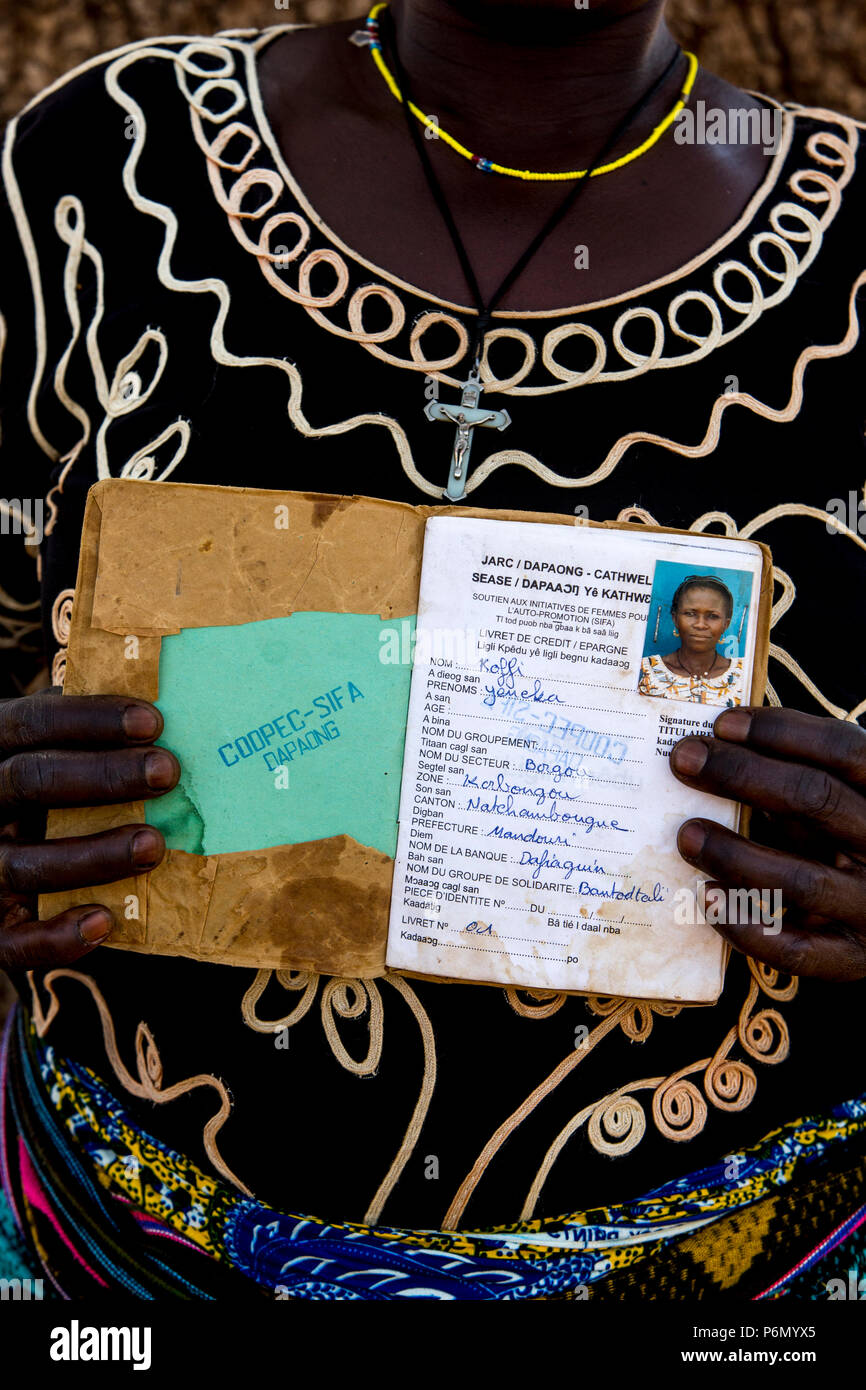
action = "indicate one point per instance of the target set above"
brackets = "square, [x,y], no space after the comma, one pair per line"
[370,37]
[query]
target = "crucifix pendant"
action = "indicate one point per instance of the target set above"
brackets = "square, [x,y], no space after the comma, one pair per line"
[467,417]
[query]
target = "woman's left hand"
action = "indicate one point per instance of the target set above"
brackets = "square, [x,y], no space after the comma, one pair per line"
[809,775]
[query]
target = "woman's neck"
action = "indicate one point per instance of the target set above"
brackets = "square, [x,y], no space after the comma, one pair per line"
[532,78]
[698,663]
[537,105]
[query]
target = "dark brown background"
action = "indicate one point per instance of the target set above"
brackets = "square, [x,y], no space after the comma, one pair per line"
[811,51]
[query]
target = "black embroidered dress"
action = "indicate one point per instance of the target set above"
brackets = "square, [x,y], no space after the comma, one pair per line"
[174,308]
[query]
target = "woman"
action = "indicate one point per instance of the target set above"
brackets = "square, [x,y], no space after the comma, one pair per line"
[241,270]
[702,608]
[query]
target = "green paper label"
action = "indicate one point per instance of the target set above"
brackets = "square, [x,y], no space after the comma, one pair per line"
[287,730]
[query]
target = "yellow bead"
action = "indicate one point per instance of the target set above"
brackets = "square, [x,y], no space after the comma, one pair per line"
[528,174]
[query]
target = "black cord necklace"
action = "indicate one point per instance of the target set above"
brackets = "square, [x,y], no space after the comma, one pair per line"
[467,416]
[699,675]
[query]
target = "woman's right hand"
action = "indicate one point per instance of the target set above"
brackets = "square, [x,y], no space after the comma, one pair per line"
[72,750]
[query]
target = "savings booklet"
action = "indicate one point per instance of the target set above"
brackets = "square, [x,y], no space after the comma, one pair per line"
[433,740]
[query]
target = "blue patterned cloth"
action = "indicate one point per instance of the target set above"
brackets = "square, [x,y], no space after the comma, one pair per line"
[189,1223]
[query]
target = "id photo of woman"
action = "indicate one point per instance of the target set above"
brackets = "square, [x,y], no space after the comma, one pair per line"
[706,666]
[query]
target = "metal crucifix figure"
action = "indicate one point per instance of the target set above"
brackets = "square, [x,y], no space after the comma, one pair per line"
[467,417]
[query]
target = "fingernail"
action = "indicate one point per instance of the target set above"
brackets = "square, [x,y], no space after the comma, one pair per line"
[159,770]
[146,848]
[734,724]
[94,926]
[691,839]
[689,756]
[139,722]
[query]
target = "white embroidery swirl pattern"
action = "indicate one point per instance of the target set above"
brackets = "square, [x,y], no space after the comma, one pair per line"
[793,240]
